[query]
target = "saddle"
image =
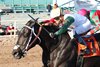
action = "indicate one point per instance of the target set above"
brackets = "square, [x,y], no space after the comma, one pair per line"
[90,49]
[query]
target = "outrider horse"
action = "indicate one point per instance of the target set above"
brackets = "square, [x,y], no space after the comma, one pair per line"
[57,52]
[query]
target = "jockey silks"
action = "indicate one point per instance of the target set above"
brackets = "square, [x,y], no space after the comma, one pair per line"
[81,24]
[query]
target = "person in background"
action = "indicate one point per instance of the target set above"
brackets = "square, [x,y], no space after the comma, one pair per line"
[10,29]
[49,8]
[94,17]
[55,6]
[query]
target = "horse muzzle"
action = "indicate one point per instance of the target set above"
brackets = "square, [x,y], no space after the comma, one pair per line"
[18,54]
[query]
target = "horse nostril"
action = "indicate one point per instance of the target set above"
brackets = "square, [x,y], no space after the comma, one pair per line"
[16,54]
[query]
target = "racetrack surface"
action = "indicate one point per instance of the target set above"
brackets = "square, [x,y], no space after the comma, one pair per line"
[32,59]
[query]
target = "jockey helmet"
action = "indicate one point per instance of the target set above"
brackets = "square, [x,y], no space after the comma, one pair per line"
[83,12]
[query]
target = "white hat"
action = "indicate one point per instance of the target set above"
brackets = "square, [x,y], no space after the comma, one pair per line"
[55,13]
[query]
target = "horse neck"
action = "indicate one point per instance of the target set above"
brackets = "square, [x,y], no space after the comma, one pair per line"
[63,41]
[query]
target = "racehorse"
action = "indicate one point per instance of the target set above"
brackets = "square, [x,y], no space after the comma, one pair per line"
[57,52]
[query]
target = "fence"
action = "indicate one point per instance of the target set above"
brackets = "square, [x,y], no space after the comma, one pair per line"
[17,24]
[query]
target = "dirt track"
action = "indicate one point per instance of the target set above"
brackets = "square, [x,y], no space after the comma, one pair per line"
[32,59]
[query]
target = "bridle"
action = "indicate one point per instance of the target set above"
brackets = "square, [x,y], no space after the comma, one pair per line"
[29,45]
[30,40]
[36,36]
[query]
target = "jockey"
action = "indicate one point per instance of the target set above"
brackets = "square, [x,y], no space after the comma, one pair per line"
[94,17]
[81,23]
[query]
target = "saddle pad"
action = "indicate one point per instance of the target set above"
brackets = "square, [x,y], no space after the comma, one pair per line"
[92,45]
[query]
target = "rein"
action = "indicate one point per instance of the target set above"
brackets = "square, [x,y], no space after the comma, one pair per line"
[36,36]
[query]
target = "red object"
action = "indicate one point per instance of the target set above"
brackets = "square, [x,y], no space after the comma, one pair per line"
[46,21]
[49,21]
[92,31]
[52,20]
[82,12]
[9,28]
[98,13]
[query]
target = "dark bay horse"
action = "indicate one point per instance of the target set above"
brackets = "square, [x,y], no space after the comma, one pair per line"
[57,52]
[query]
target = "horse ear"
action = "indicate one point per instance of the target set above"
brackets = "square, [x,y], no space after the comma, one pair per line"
[37,19]
[31,17]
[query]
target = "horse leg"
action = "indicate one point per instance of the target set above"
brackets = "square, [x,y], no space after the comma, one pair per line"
[45,58]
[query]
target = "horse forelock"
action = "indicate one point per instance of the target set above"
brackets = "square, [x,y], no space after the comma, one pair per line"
[30,23]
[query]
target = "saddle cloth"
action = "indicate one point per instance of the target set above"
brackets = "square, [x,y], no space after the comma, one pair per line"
[92,45]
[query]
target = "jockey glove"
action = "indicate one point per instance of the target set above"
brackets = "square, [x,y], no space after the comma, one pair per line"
[52,35]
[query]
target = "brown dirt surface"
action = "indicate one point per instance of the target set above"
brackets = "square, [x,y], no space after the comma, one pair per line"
[32,59]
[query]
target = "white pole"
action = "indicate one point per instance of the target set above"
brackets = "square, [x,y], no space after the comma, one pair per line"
[14,29]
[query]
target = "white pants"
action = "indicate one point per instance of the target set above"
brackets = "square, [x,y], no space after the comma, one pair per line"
[83,28]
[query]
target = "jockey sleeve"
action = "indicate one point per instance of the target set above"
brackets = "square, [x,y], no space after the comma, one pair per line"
[95,19]
[68,21]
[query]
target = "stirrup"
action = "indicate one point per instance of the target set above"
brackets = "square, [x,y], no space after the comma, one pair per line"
[86,51]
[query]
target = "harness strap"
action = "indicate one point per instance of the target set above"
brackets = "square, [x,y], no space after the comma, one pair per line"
[39,31]
[29,40]
[36,37]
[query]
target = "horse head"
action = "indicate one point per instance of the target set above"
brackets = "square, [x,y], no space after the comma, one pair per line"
[31,34]
[25,38]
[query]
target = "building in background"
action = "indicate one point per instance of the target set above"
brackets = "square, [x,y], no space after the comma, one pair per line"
[78,4]
[25,6]
[33,6]
[86,4]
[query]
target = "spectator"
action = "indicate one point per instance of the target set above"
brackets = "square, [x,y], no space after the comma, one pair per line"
[49,7]
[55,6]
[10,29]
